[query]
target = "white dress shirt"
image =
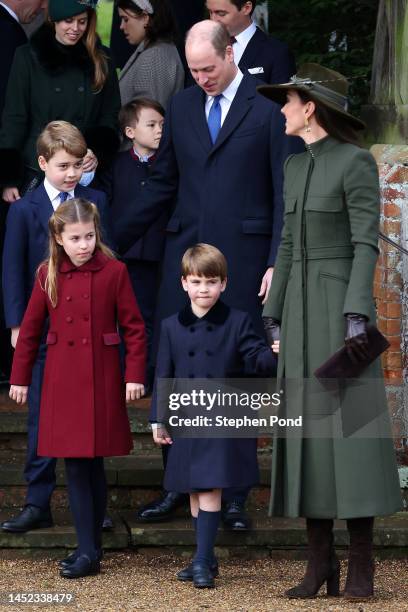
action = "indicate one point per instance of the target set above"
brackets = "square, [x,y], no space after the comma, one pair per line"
[12,13]
[242,41]
[228,96]
[54,194]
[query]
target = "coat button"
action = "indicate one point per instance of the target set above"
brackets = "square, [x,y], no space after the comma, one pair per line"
[68,298]
[69,275]
[86,274]
[81,88]
[86,317]
[70,343]
[209,353]
[85,296]
[58,89]
[191,376]
[69,319]
[191,353]
[84,341]
[143,183]
[192,329]
[209,327]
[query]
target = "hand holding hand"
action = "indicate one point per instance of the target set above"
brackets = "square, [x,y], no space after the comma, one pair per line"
[18,393]
[356,337]
[161,436]
[272,331]
[134,391]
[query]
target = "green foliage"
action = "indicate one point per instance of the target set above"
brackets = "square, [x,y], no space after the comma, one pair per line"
[336,33]
[105,12]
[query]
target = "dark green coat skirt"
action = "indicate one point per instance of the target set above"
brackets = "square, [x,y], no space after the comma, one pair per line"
[324,270]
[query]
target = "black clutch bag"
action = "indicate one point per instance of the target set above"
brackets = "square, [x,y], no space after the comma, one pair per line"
[340,365]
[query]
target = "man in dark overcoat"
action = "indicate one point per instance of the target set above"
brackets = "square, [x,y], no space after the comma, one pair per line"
[220,167]
[265,56]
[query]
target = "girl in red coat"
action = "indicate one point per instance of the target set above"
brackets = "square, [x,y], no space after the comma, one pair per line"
[87,295]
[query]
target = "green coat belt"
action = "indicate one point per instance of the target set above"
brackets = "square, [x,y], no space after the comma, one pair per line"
[324,270]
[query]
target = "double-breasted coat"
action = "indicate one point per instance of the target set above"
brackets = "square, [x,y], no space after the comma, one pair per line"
[83,411]
[324,270]
[222,344]
[48,82]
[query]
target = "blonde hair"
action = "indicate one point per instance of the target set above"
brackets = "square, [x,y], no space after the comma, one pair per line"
[77,210]
[61,135]
[204,260]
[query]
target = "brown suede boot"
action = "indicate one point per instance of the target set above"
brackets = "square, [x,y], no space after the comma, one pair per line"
[360,573]
[323,564]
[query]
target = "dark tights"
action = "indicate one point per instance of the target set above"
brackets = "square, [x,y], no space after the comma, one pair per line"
[87,494]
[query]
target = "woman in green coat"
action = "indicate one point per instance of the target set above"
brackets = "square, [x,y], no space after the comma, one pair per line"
[321,296]
[62,73]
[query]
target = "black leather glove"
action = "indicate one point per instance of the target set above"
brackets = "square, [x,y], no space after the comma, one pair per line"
[272,330]
[356,337]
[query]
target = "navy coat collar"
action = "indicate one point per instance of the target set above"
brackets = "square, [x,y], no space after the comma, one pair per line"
[44,207]
[217,315]
[239,108]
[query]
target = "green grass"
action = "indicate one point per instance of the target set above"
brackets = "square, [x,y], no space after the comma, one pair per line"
[105,13]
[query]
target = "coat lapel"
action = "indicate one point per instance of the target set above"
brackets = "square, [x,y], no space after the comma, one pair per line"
[240,106]
[249,57]
[198,118]
[43,205]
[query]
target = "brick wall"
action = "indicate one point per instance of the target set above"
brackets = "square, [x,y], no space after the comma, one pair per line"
[391,286]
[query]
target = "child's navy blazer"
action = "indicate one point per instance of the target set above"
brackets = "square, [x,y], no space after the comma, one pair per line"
[222,344]
[26,245]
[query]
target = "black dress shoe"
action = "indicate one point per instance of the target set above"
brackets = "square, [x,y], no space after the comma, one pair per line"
[72,557]
[234,516]
[186,574]
[82,566]
[107,524]
[31,517]
[202,576]
[162,508]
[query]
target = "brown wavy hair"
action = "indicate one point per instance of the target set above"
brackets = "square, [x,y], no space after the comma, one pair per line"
[76,210]
[91,42]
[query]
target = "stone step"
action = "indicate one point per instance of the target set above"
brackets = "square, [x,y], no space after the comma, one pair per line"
[133,481]
[269,537]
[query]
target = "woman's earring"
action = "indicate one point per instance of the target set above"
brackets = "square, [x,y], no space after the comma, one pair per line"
[307,126]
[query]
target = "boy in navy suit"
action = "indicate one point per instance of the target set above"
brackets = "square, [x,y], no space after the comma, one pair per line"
[61,149]
[207,339]
[141,122]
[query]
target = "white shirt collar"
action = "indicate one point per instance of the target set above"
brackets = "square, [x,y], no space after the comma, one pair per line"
[245,36]
[54,194]
[11,12]
[231,90]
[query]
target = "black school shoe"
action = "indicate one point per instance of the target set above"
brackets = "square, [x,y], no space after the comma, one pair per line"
[82,566]
[162,508]
[203,577]
[187,573]
[234,516]
[31,517]
[72,557]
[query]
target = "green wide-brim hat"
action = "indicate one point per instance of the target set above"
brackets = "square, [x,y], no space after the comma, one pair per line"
[64,9]
[324,86]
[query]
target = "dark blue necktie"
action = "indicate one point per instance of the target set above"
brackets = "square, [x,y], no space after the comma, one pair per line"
[214,118]
[63,196]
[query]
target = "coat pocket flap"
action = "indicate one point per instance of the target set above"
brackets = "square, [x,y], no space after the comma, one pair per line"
[324,203]
[290,204]
[173,225]
[51,338]
[257,226]
[111,339]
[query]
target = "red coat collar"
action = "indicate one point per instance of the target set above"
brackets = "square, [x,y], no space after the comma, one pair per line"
[97,262]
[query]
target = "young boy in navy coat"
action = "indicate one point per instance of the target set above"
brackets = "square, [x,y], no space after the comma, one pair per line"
[61,149]
[141,122]
[207,339]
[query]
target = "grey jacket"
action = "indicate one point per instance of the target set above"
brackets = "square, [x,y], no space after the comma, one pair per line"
[155,72]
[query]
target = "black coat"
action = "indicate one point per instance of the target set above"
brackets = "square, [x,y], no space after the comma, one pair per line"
[222,344]
[12,36]
[48,82]
[122,185]
[270,54]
